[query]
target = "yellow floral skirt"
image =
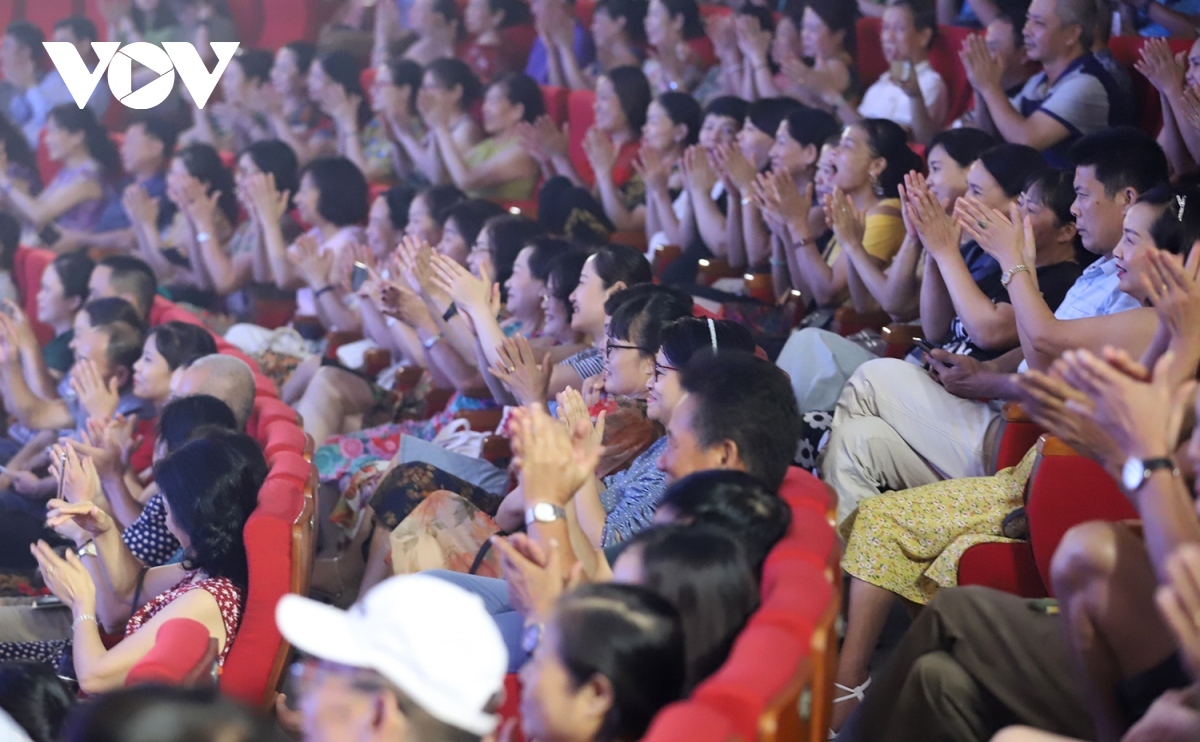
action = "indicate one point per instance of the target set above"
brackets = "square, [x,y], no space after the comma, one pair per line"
[910,542]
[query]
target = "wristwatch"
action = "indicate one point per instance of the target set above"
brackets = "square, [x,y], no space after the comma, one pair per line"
[88,549]
[543,512]
[1136,471]
[530,637]
[432,341]
[1008,274]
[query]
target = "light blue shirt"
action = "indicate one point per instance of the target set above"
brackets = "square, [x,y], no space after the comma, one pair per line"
[100,96]
[30,108]
[632,496]
[1187,7]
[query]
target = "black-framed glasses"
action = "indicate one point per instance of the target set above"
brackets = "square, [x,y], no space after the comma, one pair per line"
[661,370]
[610,346]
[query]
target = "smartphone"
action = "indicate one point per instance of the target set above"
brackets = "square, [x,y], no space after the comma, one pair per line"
[923,344]
[49,234]
[175,257]
[901,70]
[359,276]
[47,601]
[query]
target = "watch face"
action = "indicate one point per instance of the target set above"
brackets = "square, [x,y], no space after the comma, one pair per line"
[530,637]
[1132,474]
[543,512]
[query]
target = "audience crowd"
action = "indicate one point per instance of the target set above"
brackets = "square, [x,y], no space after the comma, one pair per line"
[566,295]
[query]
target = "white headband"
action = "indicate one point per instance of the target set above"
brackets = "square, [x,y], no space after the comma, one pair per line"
[712,333]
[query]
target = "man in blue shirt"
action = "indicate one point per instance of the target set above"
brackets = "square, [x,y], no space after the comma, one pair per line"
[80,32]
[28,91]
[145,154]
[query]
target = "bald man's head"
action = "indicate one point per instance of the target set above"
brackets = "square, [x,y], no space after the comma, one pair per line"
[227,378]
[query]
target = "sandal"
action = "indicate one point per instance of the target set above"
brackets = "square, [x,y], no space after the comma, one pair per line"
[858,693]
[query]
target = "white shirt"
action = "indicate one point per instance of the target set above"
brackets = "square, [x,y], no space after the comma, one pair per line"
[886,100]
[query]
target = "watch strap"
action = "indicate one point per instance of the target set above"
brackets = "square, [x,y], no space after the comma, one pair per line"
[1011,272]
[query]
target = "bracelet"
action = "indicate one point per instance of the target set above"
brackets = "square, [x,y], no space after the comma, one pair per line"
[428,344]
[83,618]
[203,237]
[1011,272]
[450,312]
[318,292]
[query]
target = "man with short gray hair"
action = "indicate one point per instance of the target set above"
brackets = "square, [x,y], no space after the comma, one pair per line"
[1072,96]
[225,377]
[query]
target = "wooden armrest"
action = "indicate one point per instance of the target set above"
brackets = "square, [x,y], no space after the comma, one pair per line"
[376,360]
[712,269]
[663,256]
[761,286]
[1049,445]
[1012,412]
[632,238]
[338,338]
[408,377]
[901,333]
[483,421]
[496,448]
[846,321]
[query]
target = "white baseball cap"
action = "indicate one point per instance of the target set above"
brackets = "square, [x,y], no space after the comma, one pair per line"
[430,638]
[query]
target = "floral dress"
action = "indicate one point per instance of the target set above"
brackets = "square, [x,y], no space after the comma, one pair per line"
[229,600]
[910,542]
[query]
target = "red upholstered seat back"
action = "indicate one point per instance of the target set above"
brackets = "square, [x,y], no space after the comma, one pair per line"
[580,116]
[29,263]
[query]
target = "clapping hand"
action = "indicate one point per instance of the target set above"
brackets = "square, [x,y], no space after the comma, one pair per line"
[984,71]
[652,168]
[139,207]
[15,323]
[473,295]
[99,398]
[269,204]
[67,578]
[1165,71]
[315,265]
[777,194]
[108,445]
[698,174]
[1173,288]
[80,482]
[528,380]
[1044,396]
[573,411]
[736,171]
[849,224]
[1008,239]
[535,578]
[936,229]
[554,463]
[1179,603]
[600,151]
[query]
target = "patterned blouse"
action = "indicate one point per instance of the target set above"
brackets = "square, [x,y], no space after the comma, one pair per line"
[633,495]
[148,537]
[587,363]
[229,600]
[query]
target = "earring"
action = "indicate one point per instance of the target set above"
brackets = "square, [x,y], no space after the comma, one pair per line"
[875,186]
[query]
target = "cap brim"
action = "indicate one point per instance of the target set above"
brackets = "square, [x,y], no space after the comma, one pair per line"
[321,631]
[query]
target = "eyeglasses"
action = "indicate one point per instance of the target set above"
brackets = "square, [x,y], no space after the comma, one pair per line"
[661,370]
[304,674]
[610,347]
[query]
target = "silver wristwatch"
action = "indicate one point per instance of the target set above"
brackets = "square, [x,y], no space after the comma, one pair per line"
[543,512]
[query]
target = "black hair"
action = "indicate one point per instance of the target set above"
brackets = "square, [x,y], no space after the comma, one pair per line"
[182,417]
[34,696]
[407,72]
[17,148]
[738,502]
[305,52]
[163,17]
[470,216]
[454,73]
[161,129]
[563,275]
[729,106]
[508,235]
[639,313]
[99,147]
[343,190]
[745,399]
[164,713]
[633,92]
[516,12]
[683,111]
[203,163]
[80,26]
[964,145]
[440,199]
[924,15]
[344,69]
[112,309]
[1123,157]
[767,113]
[633,637]
[684,337]
[521,89]
[448,9]
[812,126]
[1177,227]
[703,571]
[398,199]
[132,275]
[632,11]
[30,37]
[211,485]
[693,25]
[766,20]
[125,343]
[277,158]
[1011,165]
[1055,191]
[622,263]
[74,269]
[889,140]
[837,16]
[256,64]
[180,343]
[10,240]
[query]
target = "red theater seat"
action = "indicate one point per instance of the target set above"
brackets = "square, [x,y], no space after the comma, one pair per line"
[29,263]
[580,116]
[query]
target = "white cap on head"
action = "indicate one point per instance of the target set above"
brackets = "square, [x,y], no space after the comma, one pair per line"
[430,638]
